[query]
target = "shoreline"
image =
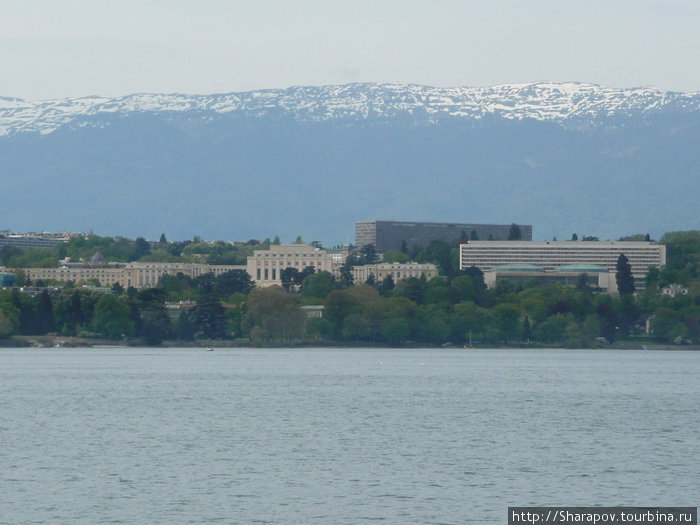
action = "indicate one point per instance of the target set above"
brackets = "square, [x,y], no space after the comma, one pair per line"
[53,341]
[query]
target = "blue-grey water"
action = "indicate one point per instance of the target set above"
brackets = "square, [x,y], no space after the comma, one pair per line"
[334,436]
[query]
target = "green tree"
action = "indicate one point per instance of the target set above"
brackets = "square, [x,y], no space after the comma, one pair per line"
[393,256]
[346,278]
[514,233]
[552,329]
[112,318]
[274,315]
[209,317]
[141,249]
[44,309]
[289,276]
[68,311]
[184,328]
[608,319]
[507,319]
[387,285]
[395,330]
[436,291]
[462,289]
[338,305]
[367,255]
[412,288]
[318,285]
[9,315]
[233,281]
[319,329]
[153,321]
[623,276]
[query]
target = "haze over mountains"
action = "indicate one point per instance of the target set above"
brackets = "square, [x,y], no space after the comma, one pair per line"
[313,160]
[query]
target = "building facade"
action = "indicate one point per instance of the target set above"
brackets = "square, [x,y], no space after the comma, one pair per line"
[597,277]
[265,266]
[392,235]
[549,256]
[136,274]
[26,240]
[397,271]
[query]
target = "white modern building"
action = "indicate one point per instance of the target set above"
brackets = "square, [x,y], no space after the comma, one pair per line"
[549,256]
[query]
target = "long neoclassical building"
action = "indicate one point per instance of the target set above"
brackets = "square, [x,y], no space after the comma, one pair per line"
[136,274]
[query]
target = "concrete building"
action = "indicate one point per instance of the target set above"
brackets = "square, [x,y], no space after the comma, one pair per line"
[597,277]
[549,256]
[391,235]
[28,240]
[264,266]
[136,274]
[397,271]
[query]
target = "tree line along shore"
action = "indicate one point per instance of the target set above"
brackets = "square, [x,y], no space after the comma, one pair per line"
[316,308]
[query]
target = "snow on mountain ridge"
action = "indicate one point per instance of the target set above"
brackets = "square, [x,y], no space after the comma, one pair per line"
[541,101]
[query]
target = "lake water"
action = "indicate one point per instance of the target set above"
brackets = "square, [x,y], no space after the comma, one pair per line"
[334,436]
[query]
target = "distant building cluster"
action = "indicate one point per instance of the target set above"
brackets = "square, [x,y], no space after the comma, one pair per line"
[264,267]
[481,245]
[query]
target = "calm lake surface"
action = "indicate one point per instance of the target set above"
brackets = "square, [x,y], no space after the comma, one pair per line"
[341,435]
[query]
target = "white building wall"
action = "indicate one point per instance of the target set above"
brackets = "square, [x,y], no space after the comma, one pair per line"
[265,266]
[550,255]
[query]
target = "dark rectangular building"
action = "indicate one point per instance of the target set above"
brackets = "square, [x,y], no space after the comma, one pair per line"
[392,235]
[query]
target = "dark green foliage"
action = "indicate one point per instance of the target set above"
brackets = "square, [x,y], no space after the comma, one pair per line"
[608,319]
[368,255]
[455,308]
[233,281]
[318,285]
[154,323]
[527,330]
[623,276]
[412,288]
[274,315]
[387,285]
[514,234]
[683,257]
[111,318]
[346,278]
[289,276]
[339,304]
[141,249]
[184,328]
[209,318]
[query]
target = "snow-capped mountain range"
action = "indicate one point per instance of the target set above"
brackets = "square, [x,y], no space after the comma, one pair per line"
[568,103]
[313,160]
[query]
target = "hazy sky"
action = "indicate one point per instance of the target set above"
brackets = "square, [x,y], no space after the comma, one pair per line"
[62,48]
